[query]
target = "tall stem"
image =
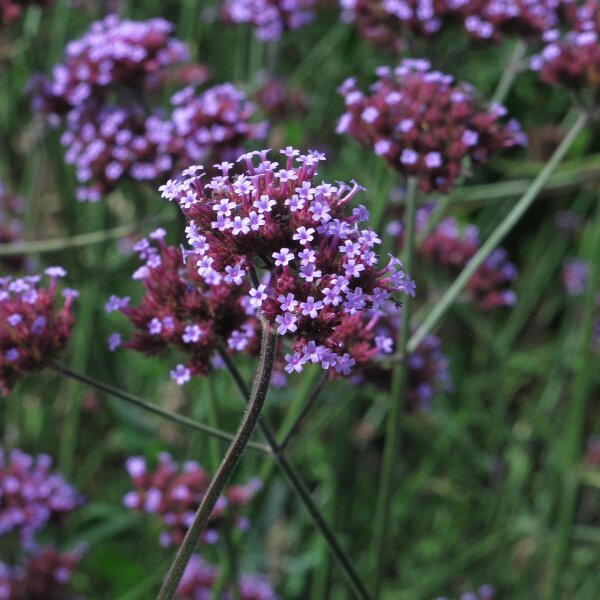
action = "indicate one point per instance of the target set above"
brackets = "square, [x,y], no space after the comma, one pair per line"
[232,458]
[301,491]
[513,217]
[397,401]
[509,74]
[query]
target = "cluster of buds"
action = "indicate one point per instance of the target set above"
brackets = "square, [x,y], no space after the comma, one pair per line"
[31,495]
[388,24]
[180,311]
[174,494]
[575,276]
[11,207]
[572,60]
[423,125]
[485,592]
[200,578]
[33,329]
[100,93]
[370,338]
[321,265]
[44,575]
[451,247]
[270,18]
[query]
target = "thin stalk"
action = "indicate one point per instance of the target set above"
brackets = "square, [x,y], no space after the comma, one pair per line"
[397,400]
[510,72]
[503,229]
[301,491]
[153,408]
[232,458]
[303,413]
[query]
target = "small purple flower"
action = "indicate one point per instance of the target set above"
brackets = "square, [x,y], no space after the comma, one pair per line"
[192,334]
[114,341]
[181,374]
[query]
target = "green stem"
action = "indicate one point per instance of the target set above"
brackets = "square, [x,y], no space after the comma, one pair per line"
[230,462]
[510,72]
[295,426]
[513,217]
[397,399]
[153,408]
[302,491]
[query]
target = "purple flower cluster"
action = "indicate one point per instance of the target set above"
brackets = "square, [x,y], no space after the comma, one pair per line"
[180,311]
[485,592]
[575,276]
[425,126]
[200,577]
[270,18]
[100,92]
[388,24]
[321,265]
[451,246]
[33,330]
[175,493]
[31,495]
[281,101]
[572,60]
[44,575]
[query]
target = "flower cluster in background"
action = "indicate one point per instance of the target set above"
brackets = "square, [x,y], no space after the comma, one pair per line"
[279,100]
[575,276]
[389,24]
[485,592]
[34,329]
[270,18]
[321,264]
[180,311]
[33,497]
[572,59]
[174,494]
[200,578]
[11,11]
[43,575]
[451,246]
[101,91]
[424,125]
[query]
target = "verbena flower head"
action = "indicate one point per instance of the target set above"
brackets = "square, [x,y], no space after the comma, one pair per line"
[114,129]
[34,329]
[182,312]
[572,59]
[321,261]
[280,100]
[424,125]
[44,575]
[174,494]
[114,52]
[388,24]
[200,578]
[575,276]
[451,246]
[270,18]
[31,495]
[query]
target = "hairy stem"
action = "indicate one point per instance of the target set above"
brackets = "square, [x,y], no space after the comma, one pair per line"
[301,491]
[397,401]
[503,229]
[153,408]
[232,458]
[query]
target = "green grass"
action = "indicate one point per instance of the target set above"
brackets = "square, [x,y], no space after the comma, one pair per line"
[490,485]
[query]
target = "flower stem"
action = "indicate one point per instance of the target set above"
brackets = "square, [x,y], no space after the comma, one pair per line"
[232,458]
[397,401]
[153,408]
[503,229]
[509,74]
[303,413]
[301,491]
